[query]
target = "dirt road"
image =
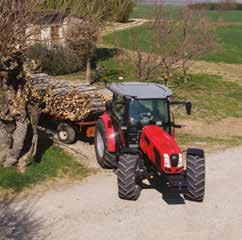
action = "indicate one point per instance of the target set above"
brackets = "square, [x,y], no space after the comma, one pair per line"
[92,210]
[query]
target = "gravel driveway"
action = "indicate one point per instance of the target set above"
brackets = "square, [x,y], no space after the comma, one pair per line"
[91,210]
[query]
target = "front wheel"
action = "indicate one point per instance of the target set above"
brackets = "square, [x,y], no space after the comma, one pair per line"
[195,174]
[128,184]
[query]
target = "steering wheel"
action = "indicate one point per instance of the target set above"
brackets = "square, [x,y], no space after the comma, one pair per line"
[146,117]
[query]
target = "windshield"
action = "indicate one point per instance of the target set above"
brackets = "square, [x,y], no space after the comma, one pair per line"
[145,112]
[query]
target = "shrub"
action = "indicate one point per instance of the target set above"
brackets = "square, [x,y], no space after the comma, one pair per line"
[122,9]
[57,60]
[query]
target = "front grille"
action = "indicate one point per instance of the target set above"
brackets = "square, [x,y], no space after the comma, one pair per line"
[174,160]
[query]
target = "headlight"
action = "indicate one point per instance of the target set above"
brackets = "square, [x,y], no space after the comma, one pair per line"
[180,163]
[167,161]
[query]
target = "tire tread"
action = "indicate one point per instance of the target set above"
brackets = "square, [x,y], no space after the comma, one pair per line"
[195,178]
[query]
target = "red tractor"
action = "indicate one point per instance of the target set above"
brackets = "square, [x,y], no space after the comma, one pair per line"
[136,137]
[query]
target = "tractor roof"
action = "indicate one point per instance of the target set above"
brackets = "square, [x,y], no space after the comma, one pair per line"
[141,90]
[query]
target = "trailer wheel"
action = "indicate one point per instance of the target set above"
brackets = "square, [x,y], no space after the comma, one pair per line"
[66,133]
[128,185]
[104,158]
[195,175]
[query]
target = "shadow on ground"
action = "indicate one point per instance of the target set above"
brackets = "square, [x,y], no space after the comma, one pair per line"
[51,124]
[168,196]
[105,53]
[18,221]
[45,141]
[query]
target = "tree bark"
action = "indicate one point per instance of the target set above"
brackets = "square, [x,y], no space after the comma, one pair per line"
[18,138]
[88,71]
[5,141]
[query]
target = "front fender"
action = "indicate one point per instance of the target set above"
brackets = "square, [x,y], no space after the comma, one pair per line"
[110,133]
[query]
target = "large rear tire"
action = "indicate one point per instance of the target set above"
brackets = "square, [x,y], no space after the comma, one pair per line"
[104,158]
[66,133]
[195,175]
[128,185]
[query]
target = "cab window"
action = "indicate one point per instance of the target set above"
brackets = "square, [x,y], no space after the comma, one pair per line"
[119,108]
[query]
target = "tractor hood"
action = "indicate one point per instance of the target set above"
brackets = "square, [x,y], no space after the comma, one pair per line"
[157,144]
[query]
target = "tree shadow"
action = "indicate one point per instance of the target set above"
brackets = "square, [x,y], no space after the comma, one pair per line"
[45,141]
[106,72]
[169,196]
[17,219]
[105,53]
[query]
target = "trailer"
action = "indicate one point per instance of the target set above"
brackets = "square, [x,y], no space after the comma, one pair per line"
[68,132]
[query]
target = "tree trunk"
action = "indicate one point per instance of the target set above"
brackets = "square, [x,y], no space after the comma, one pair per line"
[88,71]
[184,71]
[18,138]
[29,157]
[5,141]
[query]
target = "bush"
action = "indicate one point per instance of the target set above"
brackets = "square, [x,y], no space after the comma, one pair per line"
[122,9]
[56,61]
[225,6]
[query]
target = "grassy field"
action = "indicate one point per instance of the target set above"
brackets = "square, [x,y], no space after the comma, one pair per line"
[213,99]
[54,163]
[209,144]
[147,12]
[229,37]
[226,16]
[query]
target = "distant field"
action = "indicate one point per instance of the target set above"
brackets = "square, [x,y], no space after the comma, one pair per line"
[147,12]
[230,38]
[229,16]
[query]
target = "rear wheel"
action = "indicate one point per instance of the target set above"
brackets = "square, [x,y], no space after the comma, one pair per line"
[128,184]
[105,159]
[66,133]
[195,174]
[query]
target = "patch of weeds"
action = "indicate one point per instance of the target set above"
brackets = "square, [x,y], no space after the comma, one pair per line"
[54,163]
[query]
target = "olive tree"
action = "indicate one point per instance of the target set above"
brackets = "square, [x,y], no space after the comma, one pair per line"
[17,110]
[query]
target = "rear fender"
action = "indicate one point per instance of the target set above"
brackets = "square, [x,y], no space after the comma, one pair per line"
[111,143]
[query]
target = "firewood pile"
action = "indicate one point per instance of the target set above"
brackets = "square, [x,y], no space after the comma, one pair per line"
[68,101]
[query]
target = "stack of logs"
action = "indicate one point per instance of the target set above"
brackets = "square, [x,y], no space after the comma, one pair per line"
[65,100]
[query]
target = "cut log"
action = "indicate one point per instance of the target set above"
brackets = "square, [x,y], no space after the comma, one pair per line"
[66,100]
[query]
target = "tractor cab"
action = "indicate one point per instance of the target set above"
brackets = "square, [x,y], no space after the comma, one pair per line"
[136,136]
[136,105]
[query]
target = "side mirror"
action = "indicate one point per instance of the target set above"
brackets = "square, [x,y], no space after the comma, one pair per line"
[189,108]
[109,107]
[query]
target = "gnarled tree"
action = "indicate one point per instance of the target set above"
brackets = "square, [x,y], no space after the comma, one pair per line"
[16,112]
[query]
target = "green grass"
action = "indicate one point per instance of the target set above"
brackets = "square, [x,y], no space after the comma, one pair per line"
[207,143]
[226,16]
[148,12]
[229,38]
[123,38]
[115,69]
[54,163]
[213,99]
[143,11]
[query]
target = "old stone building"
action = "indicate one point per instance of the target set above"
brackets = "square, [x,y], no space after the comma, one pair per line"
[51,29]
